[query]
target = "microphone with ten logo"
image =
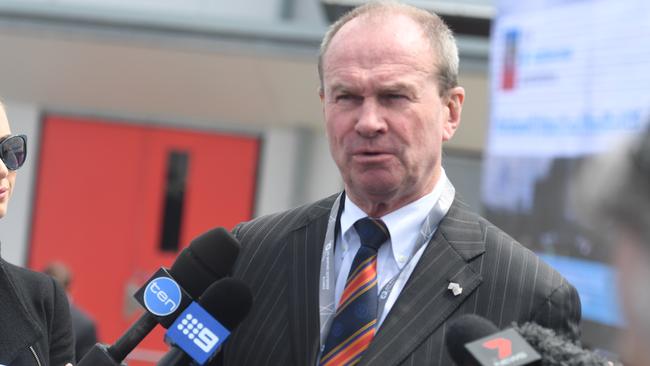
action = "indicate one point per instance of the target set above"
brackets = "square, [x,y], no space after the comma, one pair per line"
[208,258]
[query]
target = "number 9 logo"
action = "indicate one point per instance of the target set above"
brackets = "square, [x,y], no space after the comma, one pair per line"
[206,340]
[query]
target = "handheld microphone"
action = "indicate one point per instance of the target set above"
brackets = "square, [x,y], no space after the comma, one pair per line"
[209,257]
[227,302]
[463,330]
[475,341]
[558,350]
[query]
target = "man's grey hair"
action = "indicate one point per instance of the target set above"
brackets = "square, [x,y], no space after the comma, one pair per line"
[440,36]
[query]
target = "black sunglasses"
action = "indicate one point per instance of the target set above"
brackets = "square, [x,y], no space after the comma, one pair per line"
[13,151]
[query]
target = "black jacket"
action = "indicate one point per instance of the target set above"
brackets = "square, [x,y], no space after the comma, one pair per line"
[502,281]
[35,327]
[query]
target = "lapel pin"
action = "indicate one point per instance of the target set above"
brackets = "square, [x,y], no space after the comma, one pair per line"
[455,288]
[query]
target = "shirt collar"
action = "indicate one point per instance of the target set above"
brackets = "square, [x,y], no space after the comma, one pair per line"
[403,224]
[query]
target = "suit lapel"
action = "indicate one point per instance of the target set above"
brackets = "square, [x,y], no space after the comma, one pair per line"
[425,302]
[305,246]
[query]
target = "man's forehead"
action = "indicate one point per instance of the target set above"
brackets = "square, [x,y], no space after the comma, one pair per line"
[368,41]
[383,26]
[355,81]
[387,72]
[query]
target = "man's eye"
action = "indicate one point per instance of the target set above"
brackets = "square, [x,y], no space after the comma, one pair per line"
[395,96]
[347,97]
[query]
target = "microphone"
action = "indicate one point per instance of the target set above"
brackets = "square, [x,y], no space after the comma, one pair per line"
[209,257]
[463,330]
[558,350]
[475,341]
[227,301]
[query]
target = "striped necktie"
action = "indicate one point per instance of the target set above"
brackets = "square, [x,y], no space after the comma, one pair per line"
[355,320]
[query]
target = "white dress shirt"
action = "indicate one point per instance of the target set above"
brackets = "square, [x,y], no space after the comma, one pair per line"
[404,226]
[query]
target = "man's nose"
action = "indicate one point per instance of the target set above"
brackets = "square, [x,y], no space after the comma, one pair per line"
[371,121]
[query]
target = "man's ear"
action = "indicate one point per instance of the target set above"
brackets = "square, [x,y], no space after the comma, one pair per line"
[454,104]
[321,94]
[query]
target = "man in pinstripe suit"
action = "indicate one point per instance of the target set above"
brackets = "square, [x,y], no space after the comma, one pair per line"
[390,99]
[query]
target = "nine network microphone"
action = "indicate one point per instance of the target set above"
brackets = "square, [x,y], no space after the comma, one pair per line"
[475,341]
[197,335]
[168,294]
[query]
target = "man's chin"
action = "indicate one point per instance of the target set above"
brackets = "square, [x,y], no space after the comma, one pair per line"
[374,188]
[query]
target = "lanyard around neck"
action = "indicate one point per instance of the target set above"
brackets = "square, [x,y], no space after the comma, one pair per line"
[327,284]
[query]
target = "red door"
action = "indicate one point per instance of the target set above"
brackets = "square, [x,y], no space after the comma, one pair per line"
[113,200]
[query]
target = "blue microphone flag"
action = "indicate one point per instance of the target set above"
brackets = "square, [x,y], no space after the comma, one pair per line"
[197,333]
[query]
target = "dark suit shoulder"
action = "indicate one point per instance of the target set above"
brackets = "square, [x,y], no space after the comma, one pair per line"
[279,224]
[501,244]
[278,260]
[468,231]
[530,288]
[265,237]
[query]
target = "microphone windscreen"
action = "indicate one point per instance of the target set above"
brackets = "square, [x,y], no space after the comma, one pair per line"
[208,258]
[463,330]
[228,300]
[557,348]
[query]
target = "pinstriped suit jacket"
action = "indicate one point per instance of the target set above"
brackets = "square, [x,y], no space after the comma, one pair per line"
[501,280]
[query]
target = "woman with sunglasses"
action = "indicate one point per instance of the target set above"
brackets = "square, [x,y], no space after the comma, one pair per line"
[35,326]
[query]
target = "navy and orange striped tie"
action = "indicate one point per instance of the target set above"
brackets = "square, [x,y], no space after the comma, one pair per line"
[355,321]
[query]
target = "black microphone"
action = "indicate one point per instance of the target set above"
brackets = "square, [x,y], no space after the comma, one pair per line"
[463,330]
[475,341]
[209,257]
[228,301]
